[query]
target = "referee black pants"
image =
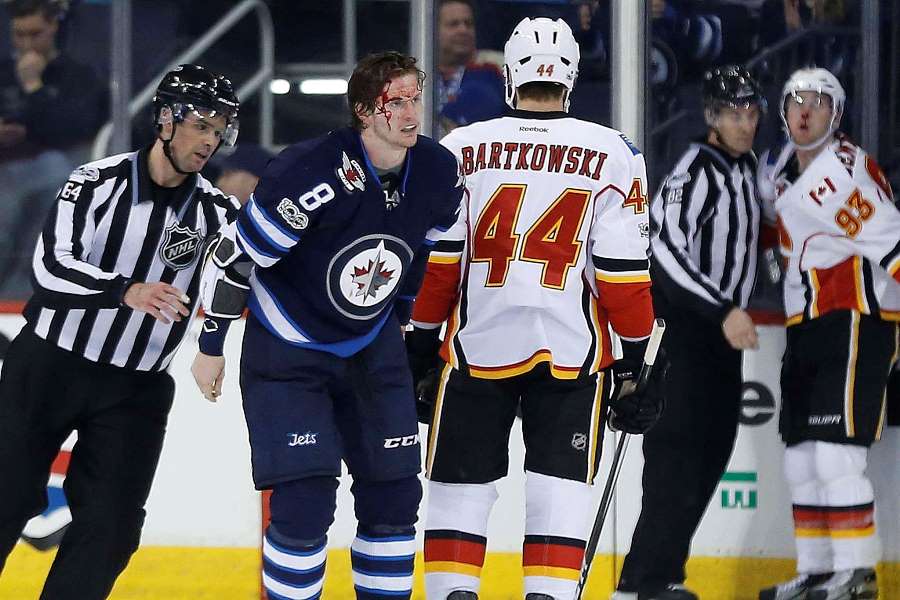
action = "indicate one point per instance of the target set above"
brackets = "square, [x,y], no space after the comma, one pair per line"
[685,453]
[120,416]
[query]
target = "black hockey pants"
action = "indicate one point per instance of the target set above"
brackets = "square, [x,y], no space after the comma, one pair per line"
[685,453]
[120,416]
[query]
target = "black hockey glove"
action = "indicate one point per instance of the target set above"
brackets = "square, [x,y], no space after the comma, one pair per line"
[633,411]
[422,347]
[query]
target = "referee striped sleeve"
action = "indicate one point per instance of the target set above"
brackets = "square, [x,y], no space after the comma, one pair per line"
[63,277]
[677,213]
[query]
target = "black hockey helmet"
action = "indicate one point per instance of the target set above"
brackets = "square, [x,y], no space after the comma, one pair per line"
[194,88]
[731,86]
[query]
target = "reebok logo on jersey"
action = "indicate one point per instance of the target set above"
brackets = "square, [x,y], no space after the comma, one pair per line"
[179,247]
[535,129]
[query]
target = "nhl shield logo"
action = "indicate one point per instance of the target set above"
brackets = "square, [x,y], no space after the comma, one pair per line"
[579,441]
[180,247]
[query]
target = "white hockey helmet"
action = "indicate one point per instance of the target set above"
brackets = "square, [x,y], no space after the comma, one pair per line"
[540,49]
[822,82]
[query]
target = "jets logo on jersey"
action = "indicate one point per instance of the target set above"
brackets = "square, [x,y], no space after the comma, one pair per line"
[351,174]
[179,247]
[365,275]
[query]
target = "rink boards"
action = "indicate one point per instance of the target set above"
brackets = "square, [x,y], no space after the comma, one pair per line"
[203,524]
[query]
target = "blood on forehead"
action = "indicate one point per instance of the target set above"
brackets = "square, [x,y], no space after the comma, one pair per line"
[396,91]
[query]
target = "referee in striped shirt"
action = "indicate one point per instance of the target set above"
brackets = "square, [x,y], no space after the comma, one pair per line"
[704,225]
[116,272]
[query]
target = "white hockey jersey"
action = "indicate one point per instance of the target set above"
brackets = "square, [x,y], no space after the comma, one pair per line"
[550,248]
[839,232]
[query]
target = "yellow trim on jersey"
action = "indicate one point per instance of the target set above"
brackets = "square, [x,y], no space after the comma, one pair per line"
[794,320]
[436,419]
[894,266]
[452,331]
[446,566]
[596,424]
[606,277]
[814,299]
[850,386]
[555,572]
[858,283]
[801,532]
[852,533]
[443,259]
[882,418]
[889,315]
[599,332]
[505,371]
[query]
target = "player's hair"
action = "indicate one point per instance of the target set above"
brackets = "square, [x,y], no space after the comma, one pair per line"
[541,91]
[370,77]
[469,3]
[51,10]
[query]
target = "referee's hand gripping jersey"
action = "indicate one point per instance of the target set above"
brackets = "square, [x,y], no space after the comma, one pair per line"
[116,276]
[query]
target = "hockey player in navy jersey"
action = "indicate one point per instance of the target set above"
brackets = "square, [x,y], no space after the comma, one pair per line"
[328,255]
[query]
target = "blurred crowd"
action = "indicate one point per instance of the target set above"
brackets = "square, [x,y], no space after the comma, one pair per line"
[54,96]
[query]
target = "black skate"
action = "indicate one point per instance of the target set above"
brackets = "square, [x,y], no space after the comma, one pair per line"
[461,595]
[536,596]
[673,591]
[853,584]
[796,589]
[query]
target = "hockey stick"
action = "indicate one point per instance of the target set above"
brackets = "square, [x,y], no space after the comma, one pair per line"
[659,328]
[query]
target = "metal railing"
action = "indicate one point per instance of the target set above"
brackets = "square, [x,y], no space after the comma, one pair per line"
[258,82]
[775,63]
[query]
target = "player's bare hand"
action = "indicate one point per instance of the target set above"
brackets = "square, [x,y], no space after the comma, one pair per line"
[164,302]
[208,372]
[739,330]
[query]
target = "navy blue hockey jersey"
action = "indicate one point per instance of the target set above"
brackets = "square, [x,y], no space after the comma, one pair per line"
[334,251]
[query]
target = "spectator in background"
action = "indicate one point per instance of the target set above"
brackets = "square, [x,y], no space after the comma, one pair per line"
[242,169]
[48,105]
[469,89]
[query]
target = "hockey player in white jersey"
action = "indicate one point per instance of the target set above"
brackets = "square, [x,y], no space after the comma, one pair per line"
[840,238]
[549,250]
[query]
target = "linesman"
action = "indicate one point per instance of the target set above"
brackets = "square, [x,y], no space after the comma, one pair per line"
[115,273]
[704,227]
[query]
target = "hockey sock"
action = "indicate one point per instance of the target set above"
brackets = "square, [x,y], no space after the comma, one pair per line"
[850,502]
[382,559]
[292,569]
[810,522]
[456,536]
[557,520]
